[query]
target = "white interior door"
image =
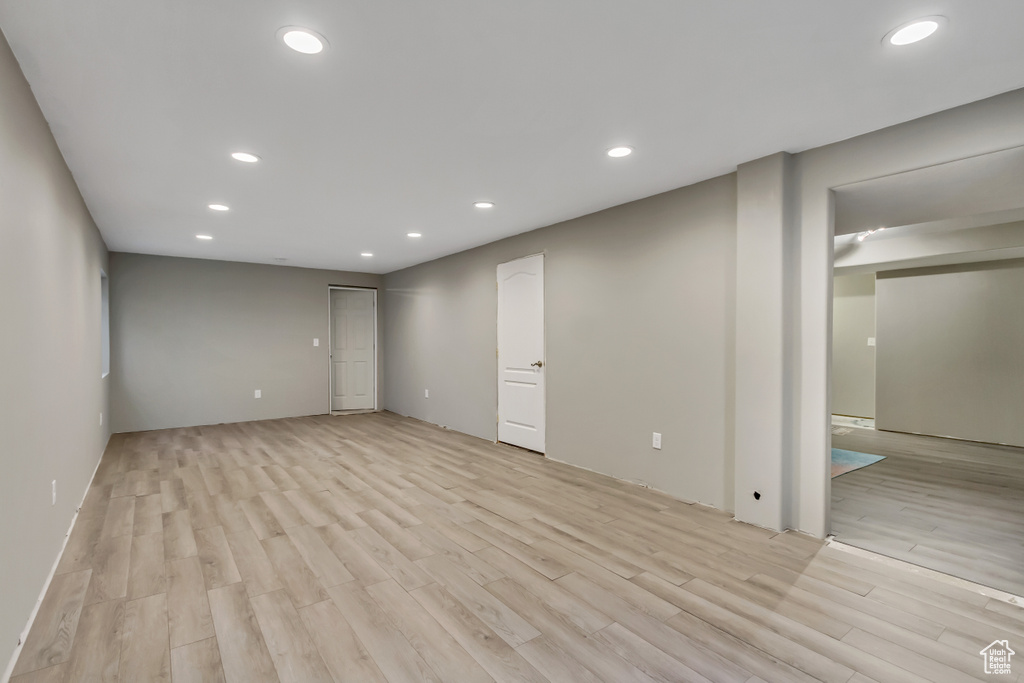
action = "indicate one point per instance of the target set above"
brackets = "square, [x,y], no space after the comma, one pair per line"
[353,368]
[521,352]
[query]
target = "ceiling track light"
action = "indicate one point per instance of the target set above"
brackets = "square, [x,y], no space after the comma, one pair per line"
[861,236]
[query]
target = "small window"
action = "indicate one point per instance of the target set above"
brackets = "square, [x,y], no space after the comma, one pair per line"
[105,323]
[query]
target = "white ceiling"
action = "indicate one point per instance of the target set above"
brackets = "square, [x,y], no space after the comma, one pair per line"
[963,211]
[420,108]
[961,189]
[938,243]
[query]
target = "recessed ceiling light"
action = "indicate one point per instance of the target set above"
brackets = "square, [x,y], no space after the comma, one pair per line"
[204,237]
[484,205]
[620,152]
[245,156]
[366,254]
[219,207]
[304,40]
[414,234]
[912,32]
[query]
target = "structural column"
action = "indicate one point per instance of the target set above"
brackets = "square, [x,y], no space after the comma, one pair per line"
[767,267]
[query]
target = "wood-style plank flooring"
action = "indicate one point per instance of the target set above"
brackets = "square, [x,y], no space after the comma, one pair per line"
[378,548]
[953,506]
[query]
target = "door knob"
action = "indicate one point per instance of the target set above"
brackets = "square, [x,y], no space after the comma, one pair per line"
[538,364]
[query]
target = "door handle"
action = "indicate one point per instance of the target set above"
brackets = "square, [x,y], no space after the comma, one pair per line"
[538,364]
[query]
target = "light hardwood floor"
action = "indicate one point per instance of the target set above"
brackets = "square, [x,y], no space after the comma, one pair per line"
[953,506]
[378,548]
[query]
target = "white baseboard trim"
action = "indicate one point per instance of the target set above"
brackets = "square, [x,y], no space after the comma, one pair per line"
[49,578]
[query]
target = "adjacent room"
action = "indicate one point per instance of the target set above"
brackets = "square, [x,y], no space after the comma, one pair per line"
[928,367]
[511,341]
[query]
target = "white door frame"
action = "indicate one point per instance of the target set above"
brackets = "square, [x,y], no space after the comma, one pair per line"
[497,368]
[330,345]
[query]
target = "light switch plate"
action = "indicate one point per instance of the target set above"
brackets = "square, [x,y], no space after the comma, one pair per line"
[656,441]
[259,394]
[316,342]
[871,341]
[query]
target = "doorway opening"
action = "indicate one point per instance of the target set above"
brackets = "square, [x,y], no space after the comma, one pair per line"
[352,344]
[927,342]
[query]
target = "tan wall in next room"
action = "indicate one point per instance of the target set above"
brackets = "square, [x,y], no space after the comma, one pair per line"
[853,361]
[951,351]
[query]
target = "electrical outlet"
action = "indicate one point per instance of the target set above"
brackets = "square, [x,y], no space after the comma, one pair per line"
[53,490]
[426,393]
[316,342]
[656,441]
[259,394]
[871,341]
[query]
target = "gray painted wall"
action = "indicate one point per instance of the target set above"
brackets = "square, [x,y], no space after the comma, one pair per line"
[639,315]
[853,361]
[951,351]
[193,339]
[51,394]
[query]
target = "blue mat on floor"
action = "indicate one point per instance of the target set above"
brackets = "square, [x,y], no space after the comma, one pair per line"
[848,461]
